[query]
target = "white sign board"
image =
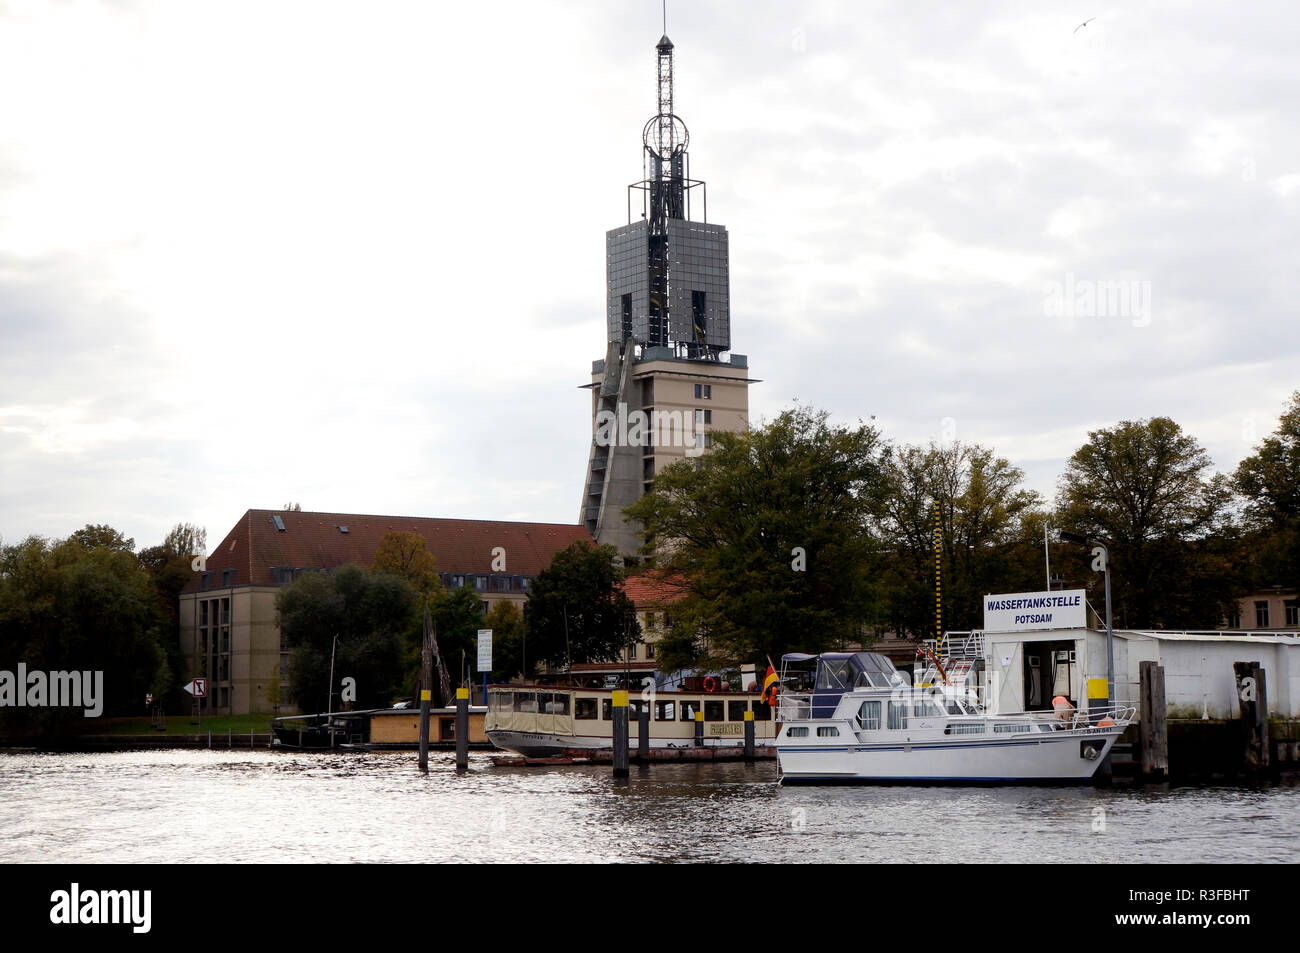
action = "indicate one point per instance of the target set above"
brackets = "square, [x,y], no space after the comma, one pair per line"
[485,650]
[1022,611]
[198,687]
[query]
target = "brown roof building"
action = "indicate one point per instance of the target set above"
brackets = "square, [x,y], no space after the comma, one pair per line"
[230,632]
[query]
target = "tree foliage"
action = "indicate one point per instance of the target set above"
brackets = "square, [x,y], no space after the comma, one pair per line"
[771,534]
[370,612]
[1149,490]
[576,611]
[407,556]
[1269,482]
[82,604]
[990,528]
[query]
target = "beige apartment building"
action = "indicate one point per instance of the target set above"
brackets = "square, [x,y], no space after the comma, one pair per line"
[229,629]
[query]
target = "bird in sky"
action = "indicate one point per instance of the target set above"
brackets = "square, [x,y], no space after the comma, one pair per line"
[1084,24]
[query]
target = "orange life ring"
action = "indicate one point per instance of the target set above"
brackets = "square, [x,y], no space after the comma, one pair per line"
[710,683]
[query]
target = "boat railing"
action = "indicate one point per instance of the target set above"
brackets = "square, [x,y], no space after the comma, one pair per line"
[1121,715]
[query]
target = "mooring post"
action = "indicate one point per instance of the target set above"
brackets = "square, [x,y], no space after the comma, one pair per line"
[1252,700]
[643,733]
[1153,729]
[1099,701]
[426,692]
[620,733]
[230,737]
[749,736]
[462,729]
[699,727]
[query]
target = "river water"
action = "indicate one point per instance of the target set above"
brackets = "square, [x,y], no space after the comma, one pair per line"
[261,806]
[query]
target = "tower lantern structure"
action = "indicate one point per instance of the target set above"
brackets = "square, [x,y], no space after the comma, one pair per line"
[667,380]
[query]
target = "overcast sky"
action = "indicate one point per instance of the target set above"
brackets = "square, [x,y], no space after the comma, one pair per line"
[352,254]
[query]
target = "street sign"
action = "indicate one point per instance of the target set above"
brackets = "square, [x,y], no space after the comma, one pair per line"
[198,688]
[485,650]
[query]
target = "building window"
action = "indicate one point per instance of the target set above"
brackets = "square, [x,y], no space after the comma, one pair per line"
[227,578]
[649,650]
[703,417]
[1293,613]
[1234,619]
[631,653]
[703,391]
[1261,615]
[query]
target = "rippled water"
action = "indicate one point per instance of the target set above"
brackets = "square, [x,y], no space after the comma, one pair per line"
[260,806]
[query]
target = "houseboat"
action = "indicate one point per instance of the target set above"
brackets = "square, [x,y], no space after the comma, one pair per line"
[540,721]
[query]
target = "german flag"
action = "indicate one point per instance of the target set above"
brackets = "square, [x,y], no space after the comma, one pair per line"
[770,684]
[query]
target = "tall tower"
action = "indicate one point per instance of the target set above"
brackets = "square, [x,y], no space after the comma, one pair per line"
[666,382]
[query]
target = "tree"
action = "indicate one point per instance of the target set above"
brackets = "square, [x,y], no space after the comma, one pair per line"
[770,533]
[1149,490]
[69,606]
[576,611]
[990,528]
[370,613]
[102,536]
[507,625]
[169,566]
[407,556]
[1269,482]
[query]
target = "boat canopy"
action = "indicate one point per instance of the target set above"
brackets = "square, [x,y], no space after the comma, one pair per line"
[846,671]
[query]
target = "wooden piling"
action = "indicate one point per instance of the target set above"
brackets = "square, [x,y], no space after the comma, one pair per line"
[462,729]
[643,733]
[699,728]
[749,736]
[1252,701]
[1153,728]
[620,726]
[426,693]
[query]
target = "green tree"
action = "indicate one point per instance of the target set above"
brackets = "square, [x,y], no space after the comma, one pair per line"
[102,536]
[576,611]
[507,625]
[74,606]
[407,556]
[1269,482]
[370,613]
[169,565]
[457,617]
[771,535]
[990,528]
[1150,491]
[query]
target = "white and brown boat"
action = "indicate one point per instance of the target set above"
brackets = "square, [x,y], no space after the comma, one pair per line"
[540,721]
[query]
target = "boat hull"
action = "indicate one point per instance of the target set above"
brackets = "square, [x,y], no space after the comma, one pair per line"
[539,745]
[1069,757]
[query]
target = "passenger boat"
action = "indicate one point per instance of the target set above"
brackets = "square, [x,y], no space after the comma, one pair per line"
[541,721]
[858,719]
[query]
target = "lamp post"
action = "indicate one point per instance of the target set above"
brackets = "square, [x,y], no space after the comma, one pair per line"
[1100,563]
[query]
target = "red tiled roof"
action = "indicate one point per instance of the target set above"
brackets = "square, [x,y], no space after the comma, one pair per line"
[314,541]
[650,589]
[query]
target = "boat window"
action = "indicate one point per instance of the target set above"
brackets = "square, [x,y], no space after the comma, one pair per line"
[607,709]
[554,703]
[584,708]
[689,708]
[834,675]
[736,711]
[828,731]
[762,711]
[665,711]
[925,708]
[713,711]
[1004,729]
[869,716]
[634,708]
[526,701]
[796,732]
[503,701]
[965,728]
[897,714]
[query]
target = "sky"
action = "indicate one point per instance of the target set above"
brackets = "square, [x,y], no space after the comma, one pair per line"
[351,255]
